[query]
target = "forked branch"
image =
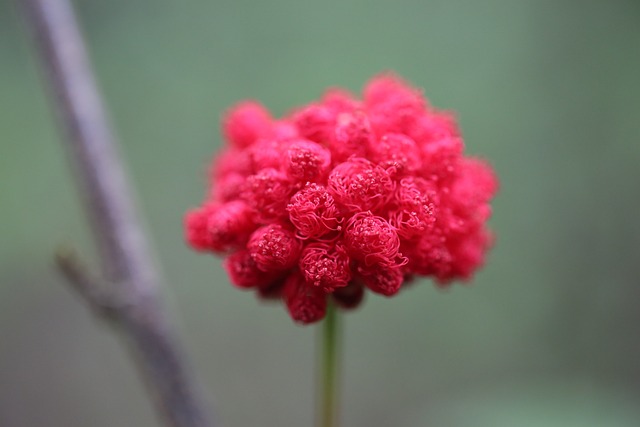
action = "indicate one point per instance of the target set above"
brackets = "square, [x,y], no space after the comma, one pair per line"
[127,291]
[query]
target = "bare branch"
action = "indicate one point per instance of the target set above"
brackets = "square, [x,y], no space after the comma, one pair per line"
[91,288]
[108,198]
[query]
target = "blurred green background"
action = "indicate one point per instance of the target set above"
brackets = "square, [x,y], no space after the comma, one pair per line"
[549,333]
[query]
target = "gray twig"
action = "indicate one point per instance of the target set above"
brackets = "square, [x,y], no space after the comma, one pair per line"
[131,301]
[87,285]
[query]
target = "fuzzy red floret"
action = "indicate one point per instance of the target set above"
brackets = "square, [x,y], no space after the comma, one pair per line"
[306,161]
[429,255]
[440,158]
[373,241]
[393,105]
[195,225]
[267,193]
[414,207]
[266,154]
[476,185]
[325,266]
[340,101]
[219,227]
[245,123]
[434,126]
[315,122]
[360,185]
[228,188]
[313,212]
[244,271]
[306,303]
[344,196]
[352,136]
[230,161]
[274,248]
[397,151]
[382,280]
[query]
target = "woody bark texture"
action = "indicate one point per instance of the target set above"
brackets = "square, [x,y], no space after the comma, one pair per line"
[127,292]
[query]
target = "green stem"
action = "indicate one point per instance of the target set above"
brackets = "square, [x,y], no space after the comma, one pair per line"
[328,375]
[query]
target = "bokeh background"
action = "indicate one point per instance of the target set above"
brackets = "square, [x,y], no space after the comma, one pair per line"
[547,335]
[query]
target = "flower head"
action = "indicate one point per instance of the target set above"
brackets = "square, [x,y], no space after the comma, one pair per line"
[344,197]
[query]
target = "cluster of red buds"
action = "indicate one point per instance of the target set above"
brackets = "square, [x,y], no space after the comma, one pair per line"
[344,195]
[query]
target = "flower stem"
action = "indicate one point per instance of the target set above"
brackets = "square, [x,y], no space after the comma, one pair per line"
[328,372]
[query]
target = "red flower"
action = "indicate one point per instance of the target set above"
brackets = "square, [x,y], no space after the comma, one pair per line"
[342,196]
